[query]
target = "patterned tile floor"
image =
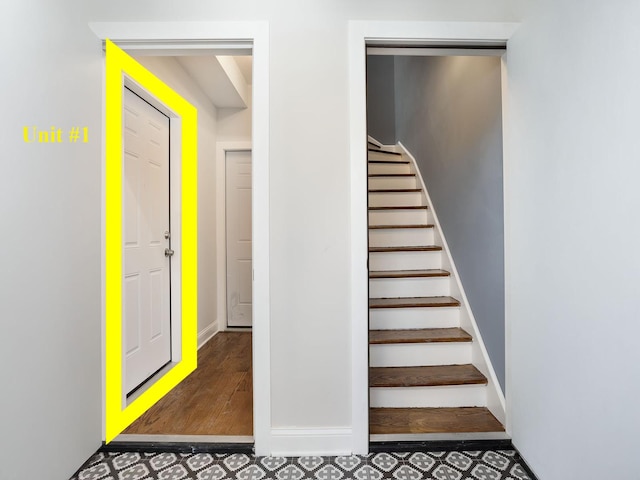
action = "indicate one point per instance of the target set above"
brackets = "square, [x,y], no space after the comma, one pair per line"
[466,465]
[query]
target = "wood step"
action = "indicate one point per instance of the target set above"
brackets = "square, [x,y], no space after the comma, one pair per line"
[376,175]
[399,162]
[413,302]
[419,335]
[432,420]
[374,147]
[395,190]
[386,227]
[434,376]
[421,248]
[432,272]
[407,207]
[378,150]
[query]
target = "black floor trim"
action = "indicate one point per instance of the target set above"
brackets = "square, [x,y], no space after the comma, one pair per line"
[440,446]
[177,447]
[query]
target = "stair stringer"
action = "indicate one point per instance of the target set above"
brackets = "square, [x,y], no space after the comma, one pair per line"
[480,357]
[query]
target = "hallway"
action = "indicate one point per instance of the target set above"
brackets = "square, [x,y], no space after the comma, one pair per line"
[216,399]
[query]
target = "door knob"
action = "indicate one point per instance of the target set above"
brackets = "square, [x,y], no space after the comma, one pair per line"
[168,252]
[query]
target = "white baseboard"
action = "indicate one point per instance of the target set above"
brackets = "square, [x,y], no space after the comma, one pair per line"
[299,442]
[207,334]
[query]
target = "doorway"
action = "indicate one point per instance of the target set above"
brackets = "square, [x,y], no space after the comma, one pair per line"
[363,34]
[227,39]
[216,399]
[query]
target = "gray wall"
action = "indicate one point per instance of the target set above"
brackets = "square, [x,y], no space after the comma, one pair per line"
[448,114]
[381,122]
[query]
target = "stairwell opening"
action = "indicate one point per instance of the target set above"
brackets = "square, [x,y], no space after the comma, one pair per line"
[436,243]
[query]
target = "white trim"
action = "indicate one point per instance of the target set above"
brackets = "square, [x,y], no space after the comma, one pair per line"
[184,37]
[372,140]
[297,442]
[506,176]
[207,334]
[361,34]
[221,225]
[435,52]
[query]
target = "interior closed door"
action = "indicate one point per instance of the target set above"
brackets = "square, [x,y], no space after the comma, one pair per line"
[238,220]
[146,283]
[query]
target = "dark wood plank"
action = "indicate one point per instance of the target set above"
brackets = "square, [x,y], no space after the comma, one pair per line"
[434,272]
[407,207]
[410,302]
[419,248]
[418,335]
[433,376]
[399,162]
[375,175]
[389,227]
[395,190]
[216,399]
[432,420]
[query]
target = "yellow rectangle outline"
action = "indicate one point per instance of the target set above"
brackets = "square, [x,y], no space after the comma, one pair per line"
[119,64]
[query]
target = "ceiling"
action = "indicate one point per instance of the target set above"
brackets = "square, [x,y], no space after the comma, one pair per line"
[225,79]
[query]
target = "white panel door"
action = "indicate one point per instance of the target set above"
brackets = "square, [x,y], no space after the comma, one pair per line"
[238,219]
[146,283]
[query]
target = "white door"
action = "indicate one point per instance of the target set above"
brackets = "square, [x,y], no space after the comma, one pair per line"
[238,219]
[146,282]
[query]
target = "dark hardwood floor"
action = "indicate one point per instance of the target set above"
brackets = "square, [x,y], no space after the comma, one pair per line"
[216,399]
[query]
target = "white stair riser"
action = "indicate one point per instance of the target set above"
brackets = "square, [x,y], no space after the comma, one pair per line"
[389,168]
[398,217]
[423,397]
[400,237]
[385,157]
[392,182]
[392,318]
[404,260]
[419,354]
[394,199]
[409,287]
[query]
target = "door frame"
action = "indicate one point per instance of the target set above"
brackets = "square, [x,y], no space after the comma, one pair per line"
[372,33]
[174,38]
[222,148]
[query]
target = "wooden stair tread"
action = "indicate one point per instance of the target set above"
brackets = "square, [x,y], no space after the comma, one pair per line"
[419,335]
[399,162]
[378,150]
[420,248]
[406,207]
[432,420]
[387,227]
[394,190]
[392,174]
[432,376]
[410,302]
[432,272]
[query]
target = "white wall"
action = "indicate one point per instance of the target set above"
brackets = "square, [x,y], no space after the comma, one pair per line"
[50,344]
[234,124]
[172,73]
[50,208]
[574,273]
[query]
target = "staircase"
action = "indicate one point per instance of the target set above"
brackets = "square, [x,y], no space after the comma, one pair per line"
[429,375]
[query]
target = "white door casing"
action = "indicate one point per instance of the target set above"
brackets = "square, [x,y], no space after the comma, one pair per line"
[238,241]
[146,270]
